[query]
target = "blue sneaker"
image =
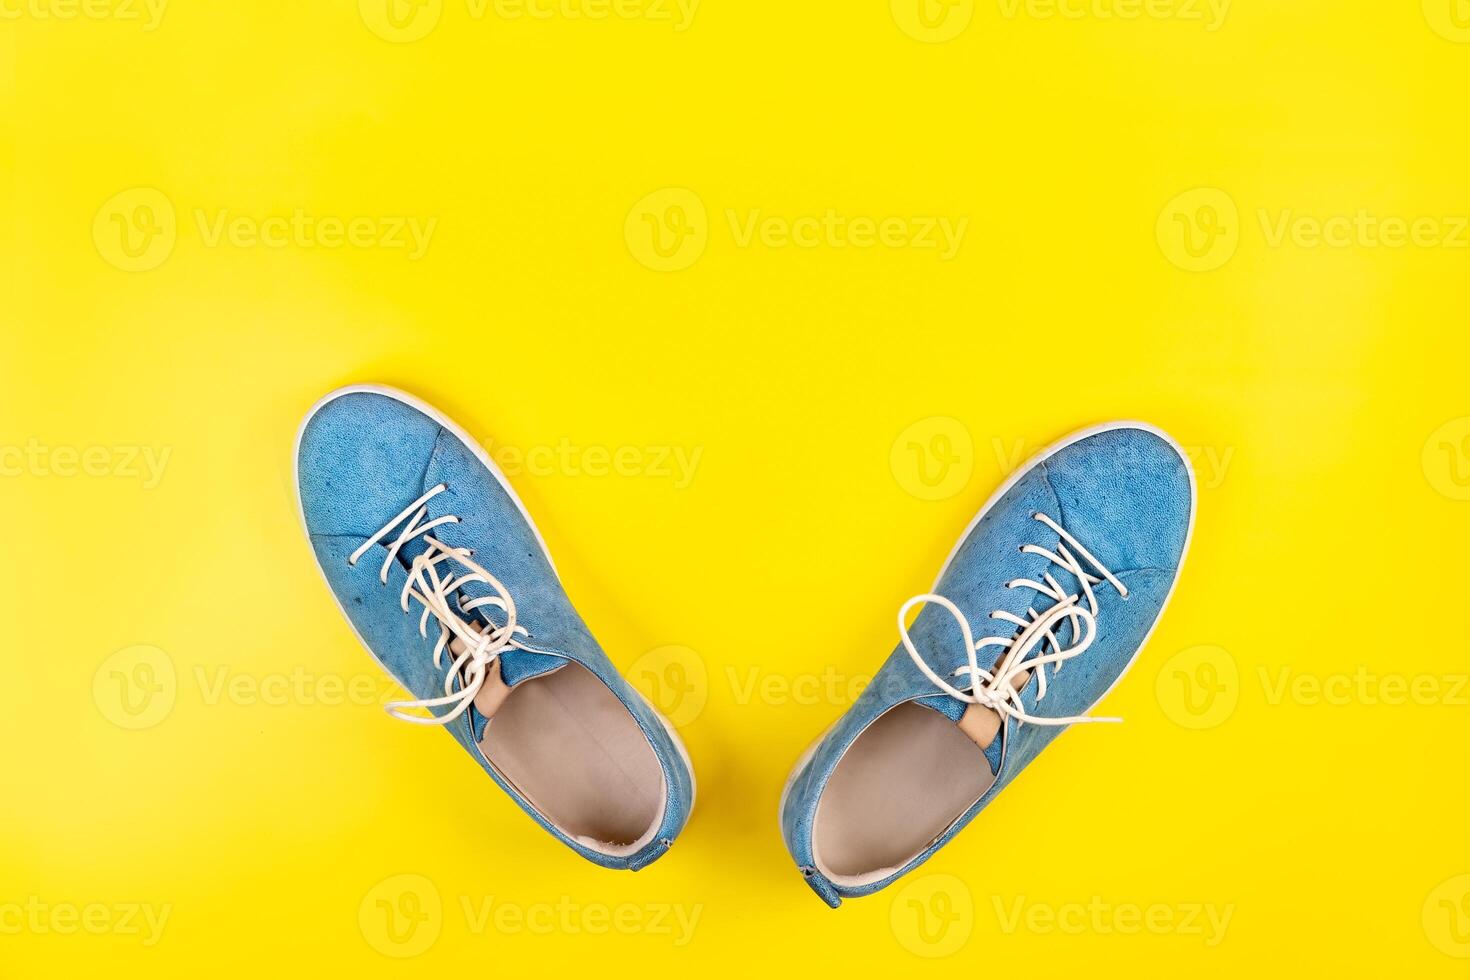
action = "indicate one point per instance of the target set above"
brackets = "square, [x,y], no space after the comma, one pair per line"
[437,566]
[1069,565]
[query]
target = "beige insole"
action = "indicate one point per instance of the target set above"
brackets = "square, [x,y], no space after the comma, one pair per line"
[574,751]
[900,784]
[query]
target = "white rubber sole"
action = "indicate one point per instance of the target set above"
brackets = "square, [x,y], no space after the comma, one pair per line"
[449,425]
[985,508]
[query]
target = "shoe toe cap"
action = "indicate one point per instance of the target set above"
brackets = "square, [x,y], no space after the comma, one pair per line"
[1127,492]
[361,459]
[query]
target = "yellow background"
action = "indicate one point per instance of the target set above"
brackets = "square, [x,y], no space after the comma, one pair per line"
[1322,387]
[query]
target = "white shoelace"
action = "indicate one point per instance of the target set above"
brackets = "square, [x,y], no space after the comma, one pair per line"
[477,650]
[995,688]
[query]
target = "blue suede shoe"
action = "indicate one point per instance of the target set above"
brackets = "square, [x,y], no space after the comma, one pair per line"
[437,566]
[1041,608]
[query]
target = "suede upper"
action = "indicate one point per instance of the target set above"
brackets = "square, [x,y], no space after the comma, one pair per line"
[364,456]
[1127,494]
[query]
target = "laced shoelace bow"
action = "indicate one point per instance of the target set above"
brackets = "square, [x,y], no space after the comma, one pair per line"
[996,688]
[474,649]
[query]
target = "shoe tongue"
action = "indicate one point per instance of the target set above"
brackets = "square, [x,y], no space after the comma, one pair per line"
[938,637]
[937,631]
[510,669]
[410,551]
[518,666]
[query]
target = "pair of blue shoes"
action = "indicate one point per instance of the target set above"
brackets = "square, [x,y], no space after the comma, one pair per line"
[1041,608]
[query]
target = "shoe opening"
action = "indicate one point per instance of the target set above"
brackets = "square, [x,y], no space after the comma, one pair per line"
[902,783]
[576,754]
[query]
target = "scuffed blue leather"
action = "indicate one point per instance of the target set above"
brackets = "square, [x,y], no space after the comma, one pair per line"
[1127,495]
[363,458]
